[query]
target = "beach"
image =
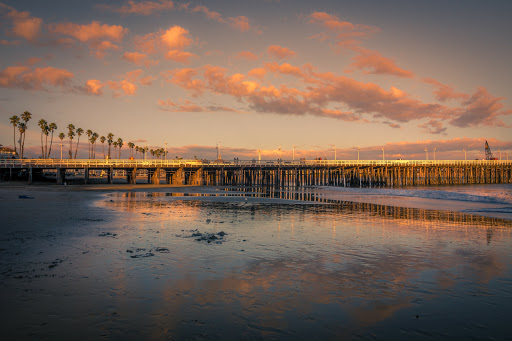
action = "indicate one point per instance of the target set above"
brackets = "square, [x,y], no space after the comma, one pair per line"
[194,263]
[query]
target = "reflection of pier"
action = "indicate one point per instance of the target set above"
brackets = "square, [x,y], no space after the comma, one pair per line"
[267,173]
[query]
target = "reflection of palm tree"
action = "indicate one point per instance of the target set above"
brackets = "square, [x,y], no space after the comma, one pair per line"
[79,132]
[120,145]
[14,121]
[52,126]
[110,139]
[61,137]
[26,116]
[102,140]
[71,133]
[42,124]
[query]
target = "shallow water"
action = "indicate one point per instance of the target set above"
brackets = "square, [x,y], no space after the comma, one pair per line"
[129,266]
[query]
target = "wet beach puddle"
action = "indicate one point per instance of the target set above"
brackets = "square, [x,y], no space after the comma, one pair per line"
[319,269]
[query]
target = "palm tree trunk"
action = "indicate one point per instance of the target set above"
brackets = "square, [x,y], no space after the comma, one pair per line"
[23,145]
[46,147]
[51,142]
[42,149]
[14,138]
[103,144]
[76,149]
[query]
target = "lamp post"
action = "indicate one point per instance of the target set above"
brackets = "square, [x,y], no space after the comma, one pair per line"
[465,156]
[383,159]
[334,148]
[435,153]
[358,153]
[293,153]
[426,153]
[507,156]
[499,152]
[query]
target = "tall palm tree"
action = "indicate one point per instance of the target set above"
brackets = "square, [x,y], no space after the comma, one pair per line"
[131,145]
[102,140]
[71,133]
[61,137]
[120,145]
[115,148]
[42,124]
[89,148]
[46,133]
[110,139]
[26,116]
[21,128]
[79,132]
[14,121]
[94,137]
[52,126]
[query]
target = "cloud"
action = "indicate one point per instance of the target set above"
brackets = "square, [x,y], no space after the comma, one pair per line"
[188,106]
[280,52]
[445,92]
[23,24]
[34,79]
[142,7]
[184,79]
[247,55]
[138,59]
[99,37]
[347,33]
[176,38]
[372,62]
[257,73]
[241,23]
[94,87]
[433,127]
[180,56]
[4,42]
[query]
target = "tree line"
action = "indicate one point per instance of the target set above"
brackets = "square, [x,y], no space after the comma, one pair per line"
[48,129]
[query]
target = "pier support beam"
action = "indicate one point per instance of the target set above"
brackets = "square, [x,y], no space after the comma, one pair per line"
[86,175]
[131,176]
[110,175]
[30,175]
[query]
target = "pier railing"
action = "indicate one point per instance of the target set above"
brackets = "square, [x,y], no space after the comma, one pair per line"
[126,163]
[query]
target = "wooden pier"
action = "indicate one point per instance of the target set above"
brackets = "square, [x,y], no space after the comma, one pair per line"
[347,173]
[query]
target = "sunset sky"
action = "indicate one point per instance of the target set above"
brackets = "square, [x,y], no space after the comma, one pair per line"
[263,74]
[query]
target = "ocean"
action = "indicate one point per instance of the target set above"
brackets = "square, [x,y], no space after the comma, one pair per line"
[201,263]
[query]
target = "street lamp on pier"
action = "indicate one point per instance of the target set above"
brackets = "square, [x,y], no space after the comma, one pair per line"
[334,148]
[383,158]
[426,153]
[499,152]
[435,153]
[507,156]
[465,156]
[165,152]
[358,153]
[293,153]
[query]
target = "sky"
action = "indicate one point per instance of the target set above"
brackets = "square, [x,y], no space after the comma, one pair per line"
[263,77]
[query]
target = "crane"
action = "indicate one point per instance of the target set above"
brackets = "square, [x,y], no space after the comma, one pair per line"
[488,153]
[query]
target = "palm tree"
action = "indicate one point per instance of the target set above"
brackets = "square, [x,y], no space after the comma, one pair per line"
[79,132]
[115,148]
[46,133]
[52,126]
[110,139]
[71,133]
[102,140]
[21,127]
[94,137]
[120,145]
[42,124]
[131,145]
[89,148]
[14,121]
[61,137]
[26,116]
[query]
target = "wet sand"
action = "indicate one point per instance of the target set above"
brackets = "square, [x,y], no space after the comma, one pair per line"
[86,262]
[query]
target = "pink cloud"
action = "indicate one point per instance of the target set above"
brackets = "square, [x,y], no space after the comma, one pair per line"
[176,38]
[179,56]
[23,24]
[257,73]
[247,55]
[433,127]
[280,52]
[372,62]
[34,79]
[445,92]
[94,87]
[216,16]
[4,42]
[189,106]
[183,78]
[138,58]
[241,23]
[142,7]
[345,31]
